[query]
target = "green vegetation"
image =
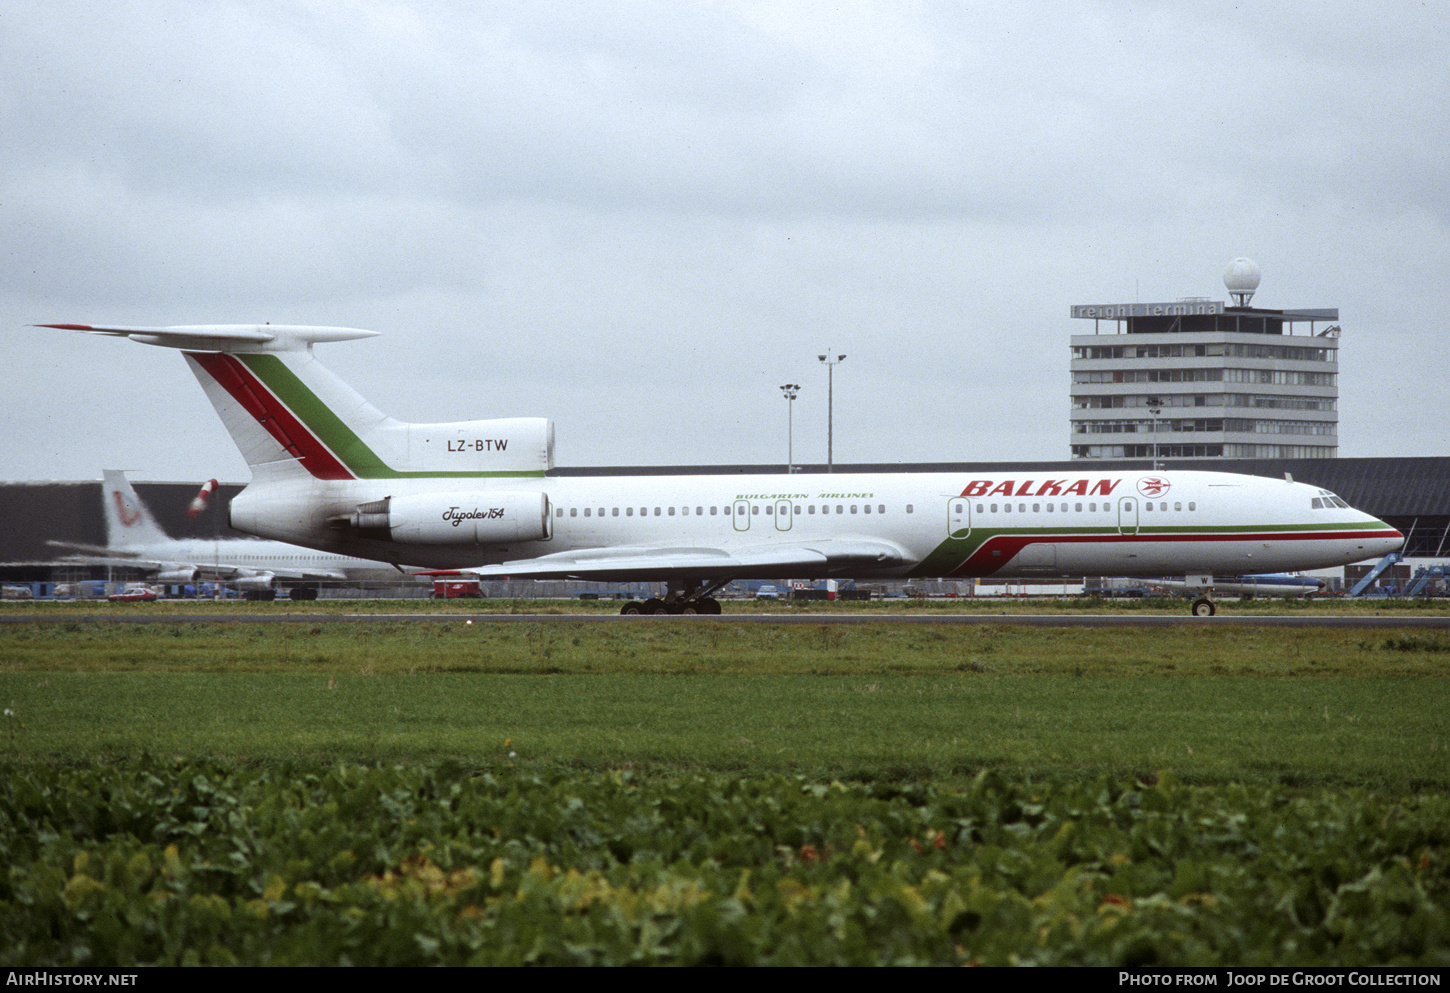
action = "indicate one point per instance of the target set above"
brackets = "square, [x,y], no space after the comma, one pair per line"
[300,863]
[632,792]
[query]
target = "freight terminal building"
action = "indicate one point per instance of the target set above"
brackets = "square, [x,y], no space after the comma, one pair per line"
[1202,379]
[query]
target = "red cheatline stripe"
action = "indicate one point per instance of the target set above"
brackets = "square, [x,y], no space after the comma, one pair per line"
[256,400]
[982,563]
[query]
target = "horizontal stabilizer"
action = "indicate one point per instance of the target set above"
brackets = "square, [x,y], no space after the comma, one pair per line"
[225,337]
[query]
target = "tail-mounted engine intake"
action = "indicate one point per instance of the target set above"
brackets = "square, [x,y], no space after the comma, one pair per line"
[463,517]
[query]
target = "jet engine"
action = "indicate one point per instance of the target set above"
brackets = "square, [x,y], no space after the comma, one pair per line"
[262,581]
[460,517]
[177,574]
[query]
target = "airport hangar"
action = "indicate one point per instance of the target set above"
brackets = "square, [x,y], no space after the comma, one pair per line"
[1412,494]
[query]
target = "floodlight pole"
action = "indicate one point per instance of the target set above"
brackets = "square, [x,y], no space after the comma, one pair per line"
[1155,407]
[831,361]
[790,391]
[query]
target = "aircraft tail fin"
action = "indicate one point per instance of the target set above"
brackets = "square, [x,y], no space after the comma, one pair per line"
[129,524]
[291,416]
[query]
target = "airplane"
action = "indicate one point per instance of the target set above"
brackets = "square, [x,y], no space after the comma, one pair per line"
[136,540]
[1249,586]
[332,472]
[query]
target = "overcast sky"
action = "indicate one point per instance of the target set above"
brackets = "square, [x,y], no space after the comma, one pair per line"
[640,219]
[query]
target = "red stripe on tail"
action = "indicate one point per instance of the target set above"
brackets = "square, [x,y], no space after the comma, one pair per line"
[269,412]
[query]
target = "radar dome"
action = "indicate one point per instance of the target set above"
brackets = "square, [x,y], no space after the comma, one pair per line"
[1241,278]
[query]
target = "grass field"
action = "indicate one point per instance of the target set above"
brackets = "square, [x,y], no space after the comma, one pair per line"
[111,730]
[1324,706]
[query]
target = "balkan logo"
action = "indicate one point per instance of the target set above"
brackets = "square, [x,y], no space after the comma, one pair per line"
[1153,486]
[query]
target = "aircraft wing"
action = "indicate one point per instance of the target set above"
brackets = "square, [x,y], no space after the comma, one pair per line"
[95,554]
[218,570]
[827,557]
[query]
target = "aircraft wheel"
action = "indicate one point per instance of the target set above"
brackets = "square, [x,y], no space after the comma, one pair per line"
[710,605]
[1204,607]
[691,609]
[654,605]
[633,608]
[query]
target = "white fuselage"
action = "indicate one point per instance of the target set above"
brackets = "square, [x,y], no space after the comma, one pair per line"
[1082,522]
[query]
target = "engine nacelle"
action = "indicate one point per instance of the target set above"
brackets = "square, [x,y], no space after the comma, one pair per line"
[259,582]
[176,574]
[460,517]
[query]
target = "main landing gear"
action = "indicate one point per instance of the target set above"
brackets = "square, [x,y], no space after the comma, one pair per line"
[688,597]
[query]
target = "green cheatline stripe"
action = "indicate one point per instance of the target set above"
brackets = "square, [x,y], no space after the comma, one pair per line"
[955,550]
[344,443]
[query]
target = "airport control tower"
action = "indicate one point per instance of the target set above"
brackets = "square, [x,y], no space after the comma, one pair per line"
[1199,378]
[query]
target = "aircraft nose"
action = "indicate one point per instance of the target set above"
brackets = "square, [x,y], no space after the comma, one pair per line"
[1392,541]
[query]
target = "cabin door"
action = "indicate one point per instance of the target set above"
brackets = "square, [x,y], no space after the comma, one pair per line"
[959,517]
[742,515]
[1127,515]
[784,516]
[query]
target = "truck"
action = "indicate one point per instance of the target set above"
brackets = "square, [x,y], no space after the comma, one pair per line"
[454,589]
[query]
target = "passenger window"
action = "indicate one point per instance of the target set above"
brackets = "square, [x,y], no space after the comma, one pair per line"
[558,511]
[573,511]
[909,509]
[1192,505]
[840,508]
[657,512]
[1147,506]
[1178,506]
[755,511]
[1036,507]
[586,511]
[1079,508]
[613,511]
[811,509]
[628,511]
[672,511]
[853,508]
[699,511]
[881,508]
[866,508]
